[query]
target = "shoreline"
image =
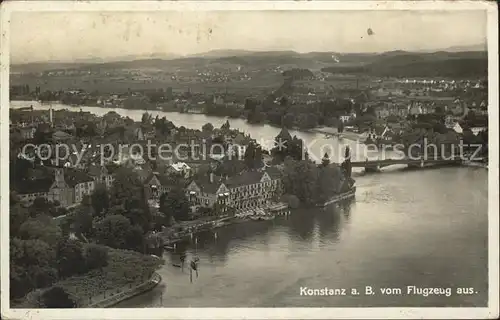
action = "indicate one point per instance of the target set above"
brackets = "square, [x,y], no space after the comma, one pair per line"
[475,164]
[142,288]
[169,244]
[310,130]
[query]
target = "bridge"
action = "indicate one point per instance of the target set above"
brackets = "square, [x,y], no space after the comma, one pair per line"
[375,165]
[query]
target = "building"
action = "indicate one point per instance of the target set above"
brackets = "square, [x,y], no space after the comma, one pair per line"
[347,117]
[27,132]
[101,175]
[458,128]
[245,191]
[156,184]
[180,168]
[477,130]
[64,185]
[80,184]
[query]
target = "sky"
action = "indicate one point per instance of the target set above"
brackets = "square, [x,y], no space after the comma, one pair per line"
[64,36]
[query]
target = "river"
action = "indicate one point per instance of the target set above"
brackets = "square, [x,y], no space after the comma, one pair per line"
[426,228]
[316,143]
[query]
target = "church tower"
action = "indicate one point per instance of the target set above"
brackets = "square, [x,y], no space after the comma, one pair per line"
[346,165]
[326,160]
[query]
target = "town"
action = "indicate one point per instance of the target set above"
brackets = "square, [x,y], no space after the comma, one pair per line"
[88,194]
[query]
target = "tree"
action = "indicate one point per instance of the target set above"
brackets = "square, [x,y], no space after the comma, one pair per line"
[85,129]
[326,160]
[96,256]
[167,214]
[17,216]
[83,221]
[253,156]
[70,258]
[100,200]
[42,206]
[146,119]
[57,297]
[134,239]
[207,127]
[128,196]
[230,167]
[300,178]
[177,203]
[328,182]
[226,125]
[42,228]
[31,266]
[112,231]
[341,126]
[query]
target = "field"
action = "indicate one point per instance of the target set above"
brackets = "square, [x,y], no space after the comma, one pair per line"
[262,83]
[262,69]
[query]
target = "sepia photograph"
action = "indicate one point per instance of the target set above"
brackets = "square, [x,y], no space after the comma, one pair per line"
[175,159]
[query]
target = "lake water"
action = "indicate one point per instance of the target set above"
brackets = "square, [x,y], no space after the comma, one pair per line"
[426,228]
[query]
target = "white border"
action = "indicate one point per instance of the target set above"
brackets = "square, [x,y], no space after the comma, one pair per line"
[257,313]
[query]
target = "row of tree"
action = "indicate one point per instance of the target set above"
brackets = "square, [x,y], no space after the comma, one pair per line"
[41,253]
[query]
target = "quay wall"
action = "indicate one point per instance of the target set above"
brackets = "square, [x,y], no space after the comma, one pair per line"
[127,294]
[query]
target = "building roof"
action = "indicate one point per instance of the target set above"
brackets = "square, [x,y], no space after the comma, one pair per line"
[242,179]
[179,166]
[59,135]
[94,170]
[74,177]
[207,186]
[27,186]
[273,172]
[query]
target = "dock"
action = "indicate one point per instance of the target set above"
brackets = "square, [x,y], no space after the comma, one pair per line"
[340,197]
[189,228]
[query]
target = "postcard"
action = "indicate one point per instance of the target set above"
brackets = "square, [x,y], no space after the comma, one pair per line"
[249,159]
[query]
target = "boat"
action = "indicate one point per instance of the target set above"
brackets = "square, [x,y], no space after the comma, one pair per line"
[254,217]
[268,217]
[263,217]
[260,214]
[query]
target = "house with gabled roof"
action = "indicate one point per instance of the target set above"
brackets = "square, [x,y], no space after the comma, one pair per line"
[67,186]
[101,175]
[244,191]
[157,184]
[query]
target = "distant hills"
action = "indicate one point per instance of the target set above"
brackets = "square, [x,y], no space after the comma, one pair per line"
[435,64]
[474,47]
[449,63]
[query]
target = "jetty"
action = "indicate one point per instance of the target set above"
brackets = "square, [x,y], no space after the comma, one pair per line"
[279,209]
[188,228]
[339,197]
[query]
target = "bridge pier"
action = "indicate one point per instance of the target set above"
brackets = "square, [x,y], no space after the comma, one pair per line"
[372,169]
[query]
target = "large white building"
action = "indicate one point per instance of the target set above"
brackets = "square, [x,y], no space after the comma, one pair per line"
[247,190]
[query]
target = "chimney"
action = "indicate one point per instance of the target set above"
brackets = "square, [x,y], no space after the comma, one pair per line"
[51,116]
[211,177]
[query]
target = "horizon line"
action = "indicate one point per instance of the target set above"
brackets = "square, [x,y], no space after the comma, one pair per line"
[177,56]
